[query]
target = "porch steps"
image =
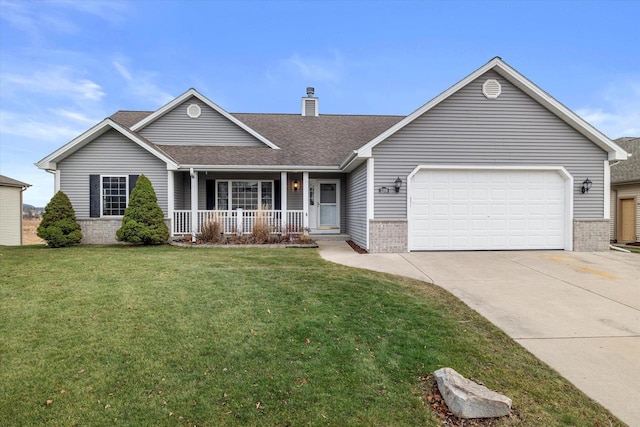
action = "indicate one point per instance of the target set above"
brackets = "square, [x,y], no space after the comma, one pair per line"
[329,237]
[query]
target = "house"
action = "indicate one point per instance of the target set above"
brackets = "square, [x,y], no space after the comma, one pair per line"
[11,210]
[625,194]
[493,162]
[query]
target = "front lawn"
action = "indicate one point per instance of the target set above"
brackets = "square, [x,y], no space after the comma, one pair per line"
[182,336]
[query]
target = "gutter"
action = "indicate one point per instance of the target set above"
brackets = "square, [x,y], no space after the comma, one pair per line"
[350,158]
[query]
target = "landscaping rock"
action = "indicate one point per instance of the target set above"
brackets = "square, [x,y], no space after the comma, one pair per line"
[467,399]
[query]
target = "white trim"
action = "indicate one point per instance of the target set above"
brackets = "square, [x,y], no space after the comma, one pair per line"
[260,168]
[496,64]
[56,180]
[284,187]
[171,191]
[305,200]
[194,203]
[188,94]
[607,190]
[49,162]
[370,197]
[568,186]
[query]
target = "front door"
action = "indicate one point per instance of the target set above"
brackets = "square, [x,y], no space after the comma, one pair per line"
[627,220]
[324,205]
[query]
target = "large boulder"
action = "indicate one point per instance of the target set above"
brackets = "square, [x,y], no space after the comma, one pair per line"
[467,399]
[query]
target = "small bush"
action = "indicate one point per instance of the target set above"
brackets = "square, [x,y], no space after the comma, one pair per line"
[143,221]
[59,227]
[211,231]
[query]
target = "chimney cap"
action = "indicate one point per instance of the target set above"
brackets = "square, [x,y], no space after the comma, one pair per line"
[310,91]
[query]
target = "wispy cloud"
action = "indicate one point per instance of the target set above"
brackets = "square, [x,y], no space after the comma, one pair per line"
[328,68]
[141,83]
[56,81]
[620,115]
[38,128]
[40,18]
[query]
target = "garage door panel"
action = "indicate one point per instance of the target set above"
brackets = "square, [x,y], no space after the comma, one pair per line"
[480,209]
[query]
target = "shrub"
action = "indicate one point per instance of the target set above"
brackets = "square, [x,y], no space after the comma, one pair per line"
[59,227]
[211,231]
[143,221]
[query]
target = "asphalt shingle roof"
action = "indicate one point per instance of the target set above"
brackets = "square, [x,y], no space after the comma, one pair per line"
[627,170]
[325,140]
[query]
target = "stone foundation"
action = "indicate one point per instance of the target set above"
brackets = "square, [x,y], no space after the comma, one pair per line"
[590,235]
[388,236]
[102,231]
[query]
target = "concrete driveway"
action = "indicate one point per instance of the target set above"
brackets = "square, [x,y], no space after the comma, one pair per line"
[578,312]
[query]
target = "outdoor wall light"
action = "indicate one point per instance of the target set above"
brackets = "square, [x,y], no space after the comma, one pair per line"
[398,184]
[586,185]
[295,185]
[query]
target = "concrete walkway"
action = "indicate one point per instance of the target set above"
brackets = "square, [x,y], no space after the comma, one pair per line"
[578,312]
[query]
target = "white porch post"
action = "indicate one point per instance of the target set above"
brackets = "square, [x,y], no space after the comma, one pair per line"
[283,201]
[170,200]
[305,200]
[194,203]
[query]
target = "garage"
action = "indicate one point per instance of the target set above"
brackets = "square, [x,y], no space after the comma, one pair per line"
[475,208]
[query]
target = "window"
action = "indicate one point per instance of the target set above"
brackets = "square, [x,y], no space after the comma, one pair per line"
[114,195]
[249,195]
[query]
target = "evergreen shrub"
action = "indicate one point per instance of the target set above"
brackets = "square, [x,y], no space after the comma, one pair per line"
[143,221]
[59,227]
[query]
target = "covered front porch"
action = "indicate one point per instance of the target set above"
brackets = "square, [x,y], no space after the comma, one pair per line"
[285,202]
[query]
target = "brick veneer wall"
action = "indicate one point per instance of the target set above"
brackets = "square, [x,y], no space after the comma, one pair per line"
[388,236]
[101,231]
[590,235]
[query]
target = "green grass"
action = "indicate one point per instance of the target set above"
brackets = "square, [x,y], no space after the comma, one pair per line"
[179,336]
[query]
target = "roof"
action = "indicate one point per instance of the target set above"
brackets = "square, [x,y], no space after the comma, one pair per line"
[320,141]
[296,142]
[5,181]
[525,85]
[627,171]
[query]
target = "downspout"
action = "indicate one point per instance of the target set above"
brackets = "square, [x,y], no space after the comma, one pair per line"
[194,203]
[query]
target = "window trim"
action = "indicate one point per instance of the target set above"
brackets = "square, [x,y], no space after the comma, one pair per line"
[102,195]
[230,191]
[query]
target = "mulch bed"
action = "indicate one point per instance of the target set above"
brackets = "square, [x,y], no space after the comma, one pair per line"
[357,248]
[434,399]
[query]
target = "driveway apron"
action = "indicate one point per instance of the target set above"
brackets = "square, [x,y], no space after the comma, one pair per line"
[578,312]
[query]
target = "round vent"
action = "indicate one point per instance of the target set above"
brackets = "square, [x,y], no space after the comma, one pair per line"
[194,111]
[491,89]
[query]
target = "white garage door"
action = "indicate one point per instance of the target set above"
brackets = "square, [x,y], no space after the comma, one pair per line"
[487,210]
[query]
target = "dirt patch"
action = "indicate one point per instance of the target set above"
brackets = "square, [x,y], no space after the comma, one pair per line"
[30,232]
[434,400]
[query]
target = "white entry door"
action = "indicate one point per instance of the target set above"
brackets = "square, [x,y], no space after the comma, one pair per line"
[324,205]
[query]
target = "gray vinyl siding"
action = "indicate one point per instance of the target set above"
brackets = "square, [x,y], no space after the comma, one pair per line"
[356,225]
[182,191]
[469,129]
[109,154]
[211,128]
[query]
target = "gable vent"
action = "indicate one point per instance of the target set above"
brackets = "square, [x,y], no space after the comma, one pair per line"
[194,111]
[491,89]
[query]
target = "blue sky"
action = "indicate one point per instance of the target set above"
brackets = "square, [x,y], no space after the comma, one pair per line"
[66,64]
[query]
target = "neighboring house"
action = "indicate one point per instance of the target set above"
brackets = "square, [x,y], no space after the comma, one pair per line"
[625,194]
[11,211]
[494,162]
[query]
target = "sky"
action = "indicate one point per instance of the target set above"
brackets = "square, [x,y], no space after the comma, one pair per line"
[67,64]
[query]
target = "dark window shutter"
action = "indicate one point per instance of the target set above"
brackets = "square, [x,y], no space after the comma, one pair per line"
[277,203]
[132,182]
[211,194]
[94,196]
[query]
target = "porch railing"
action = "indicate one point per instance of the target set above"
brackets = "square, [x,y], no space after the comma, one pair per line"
[239,221]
